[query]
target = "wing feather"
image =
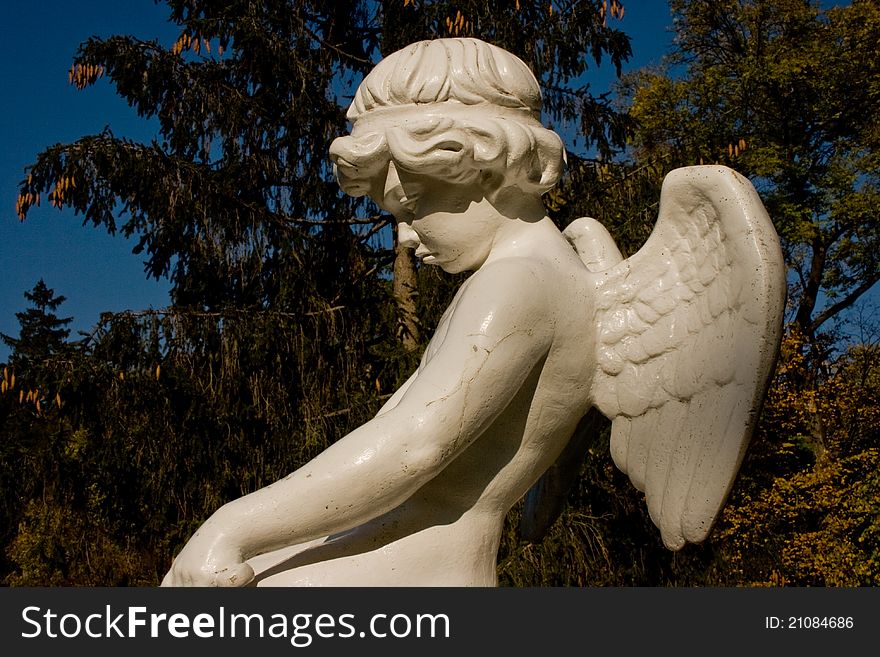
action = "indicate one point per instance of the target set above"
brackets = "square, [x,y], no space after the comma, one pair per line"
[672,414]
[620,431]
[687,332]
[718,456]
[639,449]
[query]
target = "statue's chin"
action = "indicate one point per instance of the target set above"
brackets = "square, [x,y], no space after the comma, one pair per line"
[449,268]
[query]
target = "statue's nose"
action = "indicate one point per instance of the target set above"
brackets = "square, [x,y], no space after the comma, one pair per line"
[406,236]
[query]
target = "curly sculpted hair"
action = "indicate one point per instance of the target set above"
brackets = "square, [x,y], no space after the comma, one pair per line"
[458,109]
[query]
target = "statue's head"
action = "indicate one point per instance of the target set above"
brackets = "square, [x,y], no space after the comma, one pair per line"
[459,110]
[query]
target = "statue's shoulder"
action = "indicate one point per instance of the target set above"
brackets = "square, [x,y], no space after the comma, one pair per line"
[523,275]
[515,287]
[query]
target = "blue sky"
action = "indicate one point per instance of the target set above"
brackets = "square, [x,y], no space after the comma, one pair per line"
[97,272]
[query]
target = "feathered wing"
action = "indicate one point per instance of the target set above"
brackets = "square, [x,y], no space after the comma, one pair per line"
[687,334]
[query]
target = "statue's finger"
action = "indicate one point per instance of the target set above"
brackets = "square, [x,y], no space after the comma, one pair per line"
[238,575]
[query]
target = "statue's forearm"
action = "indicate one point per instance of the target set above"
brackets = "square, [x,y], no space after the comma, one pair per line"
[370,471]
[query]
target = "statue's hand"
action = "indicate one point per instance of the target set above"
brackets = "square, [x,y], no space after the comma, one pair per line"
[209,559]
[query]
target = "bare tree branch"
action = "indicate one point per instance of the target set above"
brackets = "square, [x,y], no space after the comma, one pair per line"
[844,303]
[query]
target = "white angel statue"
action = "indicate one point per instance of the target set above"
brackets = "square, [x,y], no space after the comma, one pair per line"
[675,345]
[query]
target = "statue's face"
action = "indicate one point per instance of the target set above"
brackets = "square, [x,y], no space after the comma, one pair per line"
[451,225]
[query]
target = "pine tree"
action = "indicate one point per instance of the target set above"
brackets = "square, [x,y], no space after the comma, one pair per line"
[43,334]
[29,404]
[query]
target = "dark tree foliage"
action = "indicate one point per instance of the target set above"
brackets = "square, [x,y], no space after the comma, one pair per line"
[785,92]
[29,401]
[249,98]
[280,335]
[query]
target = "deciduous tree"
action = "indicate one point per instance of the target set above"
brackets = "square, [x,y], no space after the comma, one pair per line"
[785,92]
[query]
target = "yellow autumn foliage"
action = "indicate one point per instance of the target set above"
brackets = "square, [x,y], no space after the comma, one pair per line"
[807,509]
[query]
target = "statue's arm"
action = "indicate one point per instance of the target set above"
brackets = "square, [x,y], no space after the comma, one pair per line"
[496,335]
[394,400]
